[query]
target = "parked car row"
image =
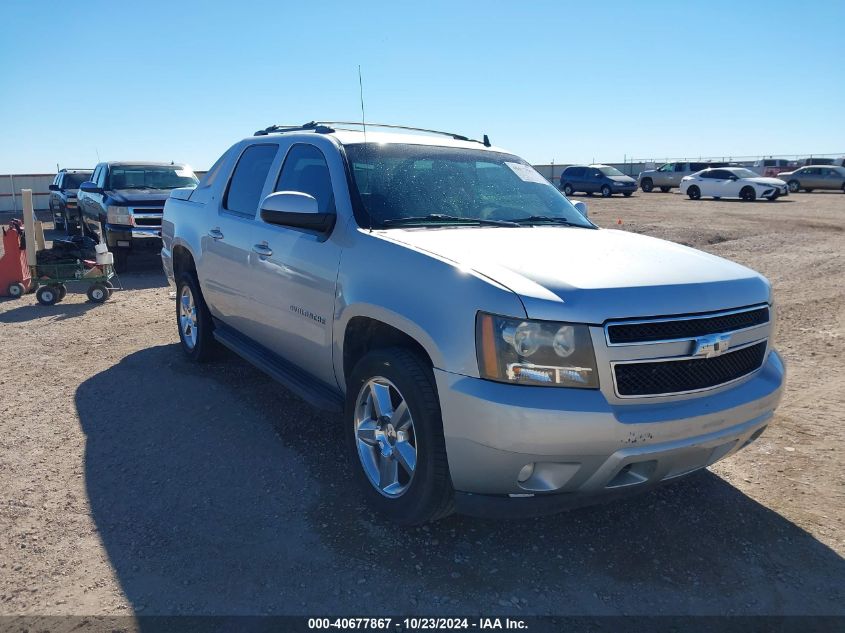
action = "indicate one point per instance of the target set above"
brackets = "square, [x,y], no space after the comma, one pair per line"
[119,203]
[814,177]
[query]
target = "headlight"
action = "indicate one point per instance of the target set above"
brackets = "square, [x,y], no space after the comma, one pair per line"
[535,352]
[119,215]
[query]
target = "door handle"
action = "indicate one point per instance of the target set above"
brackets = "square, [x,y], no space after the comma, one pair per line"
[215,234]
[263,250]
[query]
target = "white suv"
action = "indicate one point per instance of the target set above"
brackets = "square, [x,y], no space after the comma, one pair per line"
[486,347]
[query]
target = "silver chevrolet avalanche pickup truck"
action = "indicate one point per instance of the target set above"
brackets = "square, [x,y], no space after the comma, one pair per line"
[491,350]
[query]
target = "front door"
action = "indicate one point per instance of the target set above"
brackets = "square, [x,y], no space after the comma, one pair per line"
[294,273]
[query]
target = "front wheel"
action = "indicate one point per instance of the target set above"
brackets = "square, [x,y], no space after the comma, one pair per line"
[568,190]
[794,186]
[394,436]
[193,319]
[694,192]
[665,189]
[605,191]
[647,185]
[748,194]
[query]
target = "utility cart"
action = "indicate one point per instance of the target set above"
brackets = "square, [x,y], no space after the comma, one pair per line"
[51,280]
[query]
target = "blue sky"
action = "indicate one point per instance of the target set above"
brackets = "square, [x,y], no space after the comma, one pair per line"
[570,81]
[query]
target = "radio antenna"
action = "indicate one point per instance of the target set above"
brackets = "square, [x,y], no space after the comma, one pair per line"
[361,92]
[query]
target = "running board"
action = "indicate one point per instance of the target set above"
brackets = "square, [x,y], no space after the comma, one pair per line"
[306,386]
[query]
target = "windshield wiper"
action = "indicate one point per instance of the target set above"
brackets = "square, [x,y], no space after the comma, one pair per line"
[544,219]
[442,218]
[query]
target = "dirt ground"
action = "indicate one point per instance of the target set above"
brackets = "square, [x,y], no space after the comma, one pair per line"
[134,482]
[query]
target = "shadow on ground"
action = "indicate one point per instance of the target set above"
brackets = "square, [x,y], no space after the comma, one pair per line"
[219,492]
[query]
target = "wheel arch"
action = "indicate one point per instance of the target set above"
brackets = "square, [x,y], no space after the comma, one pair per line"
[363,332]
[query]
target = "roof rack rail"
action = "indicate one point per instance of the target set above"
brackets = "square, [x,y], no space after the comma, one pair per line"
[316,126]
[325,127]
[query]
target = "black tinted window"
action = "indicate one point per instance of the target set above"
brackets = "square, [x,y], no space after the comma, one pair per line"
[305,170]
[249,177]
[720,174]
[72,181]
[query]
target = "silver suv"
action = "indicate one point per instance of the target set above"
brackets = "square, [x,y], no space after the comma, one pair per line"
[487,348]
[669,175]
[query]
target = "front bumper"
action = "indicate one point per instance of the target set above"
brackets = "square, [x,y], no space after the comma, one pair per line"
[580,444]
[628,188]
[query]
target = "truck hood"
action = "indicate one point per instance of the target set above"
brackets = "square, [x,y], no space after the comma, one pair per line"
[588,275]
[145,196]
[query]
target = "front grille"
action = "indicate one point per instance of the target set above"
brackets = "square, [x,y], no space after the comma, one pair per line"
[678,376]
[651,331]
[147,216]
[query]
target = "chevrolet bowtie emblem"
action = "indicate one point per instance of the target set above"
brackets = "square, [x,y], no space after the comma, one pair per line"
[711,345]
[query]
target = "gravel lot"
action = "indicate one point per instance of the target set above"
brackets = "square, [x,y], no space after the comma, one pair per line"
[133,481]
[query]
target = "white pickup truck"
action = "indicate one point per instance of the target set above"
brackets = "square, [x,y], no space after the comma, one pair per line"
[489,349]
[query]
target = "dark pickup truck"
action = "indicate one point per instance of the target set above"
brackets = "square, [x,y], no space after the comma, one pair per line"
[63,192]
[123,202]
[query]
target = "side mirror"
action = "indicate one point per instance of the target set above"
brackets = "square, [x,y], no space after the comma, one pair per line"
[581,207]
[90,187]
[296,210]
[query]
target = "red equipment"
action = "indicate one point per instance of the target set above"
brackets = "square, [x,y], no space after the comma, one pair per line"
[14,270]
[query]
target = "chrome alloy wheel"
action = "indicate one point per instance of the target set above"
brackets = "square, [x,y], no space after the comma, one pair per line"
[188,317]
[384,434]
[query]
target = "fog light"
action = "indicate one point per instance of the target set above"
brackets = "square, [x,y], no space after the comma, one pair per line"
[525,473]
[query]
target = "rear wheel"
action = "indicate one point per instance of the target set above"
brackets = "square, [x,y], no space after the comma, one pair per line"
[747,194]
[568,190]
[605,191]
[395,437]
[647,185]
[794,186]
[694,192]
[47,295]
[193,319]
[665,189]
[62,291]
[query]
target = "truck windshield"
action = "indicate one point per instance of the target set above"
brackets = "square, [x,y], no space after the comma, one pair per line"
[436,186]
[150,177]
[72,181]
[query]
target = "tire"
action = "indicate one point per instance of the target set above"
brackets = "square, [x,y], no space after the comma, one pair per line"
[568,190]
[605,191]
[794,186]
[121,260]
[694,192]
[16,290]
[747,194]
[647,185]
[193,320]
[47,295]
[407,496]
[98,293]
[62,291]
[666,189]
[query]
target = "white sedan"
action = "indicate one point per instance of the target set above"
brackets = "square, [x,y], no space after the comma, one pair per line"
[732,182]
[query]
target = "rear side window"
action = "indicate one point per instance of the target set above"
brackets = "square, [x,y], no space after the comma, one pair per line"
[576,172]
[249,177]
[680,167]
[305,170]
